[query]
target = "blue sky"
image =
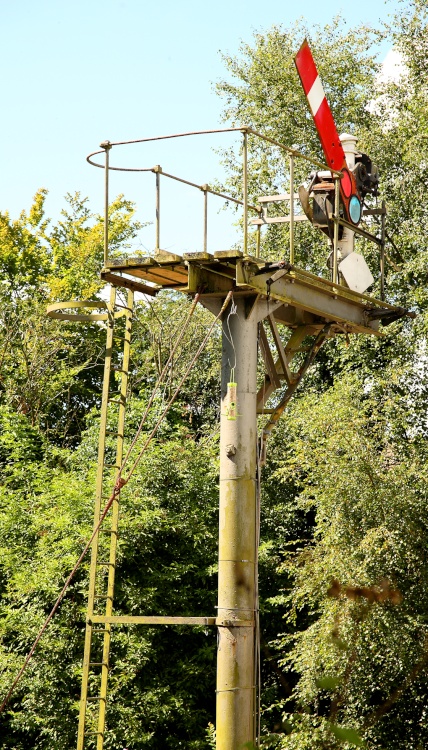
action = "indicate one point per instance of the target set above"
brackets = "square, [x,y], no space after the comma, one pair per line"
[76,73]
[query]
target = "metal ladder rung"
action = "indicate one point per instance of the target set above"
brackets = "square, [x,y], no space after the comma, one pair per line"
[126,307]
[102,574]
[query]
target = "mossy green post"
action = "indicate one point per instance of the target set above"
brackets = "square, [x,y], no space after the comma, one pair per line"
[237,537]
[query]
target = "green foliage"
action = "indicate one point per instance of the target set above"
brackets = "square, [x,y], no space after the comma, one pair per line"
[77,243]
[48,372]
[366,636]
[24,260]
[265,89]
[343,575]
[397,141]
[348,735]
[166,564]
[344,488]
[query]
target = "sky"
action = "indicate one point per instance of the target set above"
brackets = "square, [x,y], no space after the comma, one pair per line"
[77,73]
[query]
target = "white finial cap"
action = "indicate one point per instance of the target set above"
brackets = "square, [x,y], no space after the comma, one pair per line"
[348,141]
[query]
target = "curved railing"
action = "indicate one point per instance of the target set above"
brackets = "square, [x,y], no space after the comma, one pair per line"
[247,207]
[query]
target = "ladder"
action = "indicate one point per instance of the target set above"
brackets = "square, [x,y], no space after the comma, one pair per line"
[92,711]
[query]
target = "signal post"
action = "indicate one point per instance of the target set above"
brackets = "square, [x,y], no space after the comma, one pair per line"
[301,310]
[307,309]
[237,563]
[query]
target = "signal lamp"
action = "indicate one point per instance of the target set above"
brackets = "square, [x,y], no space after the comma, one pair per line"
[354,209]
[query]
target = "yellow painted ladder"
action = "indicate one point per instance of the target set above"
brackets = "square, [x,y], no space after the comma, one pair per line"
[92,714]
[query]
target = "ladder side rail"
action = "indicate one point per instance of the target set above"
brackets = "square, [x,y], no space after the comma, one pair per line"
[115,522]
[97,512]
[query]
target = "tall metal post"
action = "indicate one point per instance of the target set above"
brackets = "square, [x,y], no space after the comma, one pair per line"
[237,534]
[336,229]
[245,188]
[106,145]
[205,189]
[292,209]
[382,252]
[158,172]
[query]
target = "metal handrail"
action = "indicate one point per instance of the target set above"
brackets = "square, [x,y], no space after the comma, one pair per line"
[294,154]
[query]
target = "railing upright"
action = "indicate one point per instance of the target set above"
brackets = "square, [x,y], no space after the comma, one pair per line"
[158,171]
[292,208]
[106,145]
[245,189]
[205,189]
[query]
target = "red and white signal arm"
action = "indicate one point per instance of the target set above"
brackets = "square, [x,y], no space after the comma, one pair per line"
[327,131]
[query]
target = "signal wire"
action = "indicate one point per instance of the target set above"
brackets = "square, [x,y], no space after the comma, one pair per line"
[257,664]
[120,482]
[159,381]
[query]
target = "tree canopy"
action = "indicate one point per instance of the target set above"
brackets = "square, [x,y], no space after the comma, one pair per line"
[343,574]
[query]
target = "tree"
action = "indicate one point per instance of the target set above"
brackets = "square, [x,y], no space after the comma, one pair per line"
[342,559]
[46,512]
[161,680]
[349,450]
[47,370]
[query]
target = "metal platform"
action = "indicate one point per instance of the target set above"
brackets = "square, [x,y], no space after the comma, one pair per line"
[294,296]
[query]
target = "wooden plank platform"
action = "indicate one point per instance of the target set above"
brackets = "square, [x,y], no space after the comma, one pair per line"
[300,297]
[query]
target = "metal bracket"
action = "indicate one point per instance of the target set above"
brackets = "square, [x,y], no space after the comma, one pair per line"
[135,286]
[55,311]
[220,622]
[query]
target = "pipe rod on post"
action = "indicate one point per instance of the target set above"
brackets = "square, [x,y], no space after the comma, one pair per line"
[345,245]
[292,209]
[106,145]
[237,532]
[382,252]
[245,187]
[259,232]
[336,228]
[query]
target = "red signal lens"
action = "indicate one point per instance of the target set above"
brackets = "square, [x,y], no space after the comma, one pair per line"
[346,184]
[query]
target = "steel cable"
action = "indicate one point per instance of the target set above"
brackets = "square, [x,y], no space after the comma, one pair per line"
[120,482]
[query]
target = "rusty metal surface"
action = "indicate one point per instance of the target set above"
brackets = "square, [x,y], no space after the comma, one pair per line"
[308,298]
[126,283]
